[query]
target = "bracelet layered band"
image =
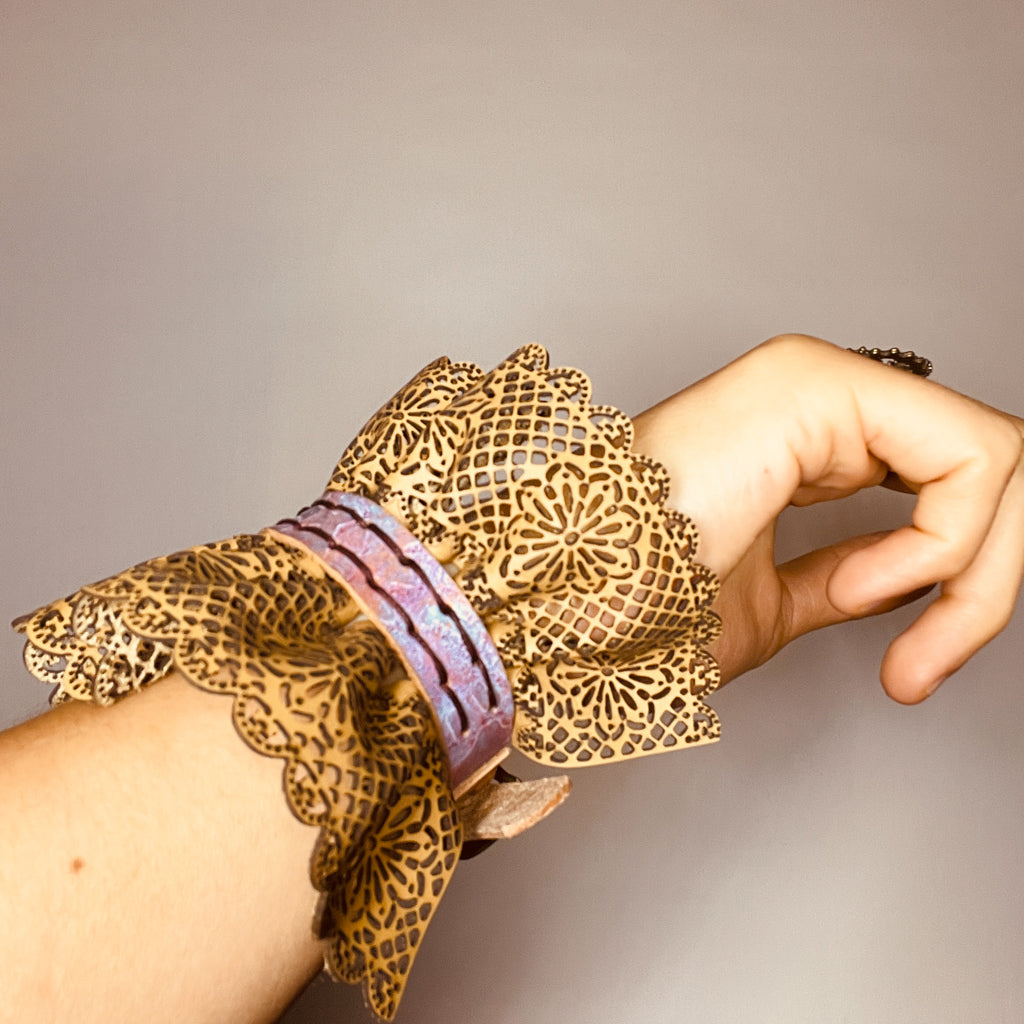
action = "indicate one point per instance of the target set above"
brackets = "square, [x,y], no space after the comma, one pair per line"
[407,593]
[491,566]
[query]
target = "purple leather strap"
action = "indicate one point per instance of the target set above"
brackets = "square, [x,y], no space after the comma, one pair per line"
[408,594]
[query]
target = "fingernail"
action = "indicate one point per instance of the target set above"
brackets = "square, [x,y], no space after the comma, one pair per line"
[932,687]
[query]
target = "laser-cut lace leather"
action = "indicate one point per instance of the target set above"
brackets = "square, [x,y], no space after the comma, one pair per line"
[559,536]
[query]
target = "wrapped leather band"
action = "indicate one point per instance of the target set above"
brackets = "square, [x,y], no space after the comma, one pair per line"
[407,593]
[564,551]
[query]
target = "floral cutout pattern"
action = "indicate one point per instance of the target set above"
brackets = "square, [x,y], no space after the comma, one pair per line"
[561,538]
[261,622]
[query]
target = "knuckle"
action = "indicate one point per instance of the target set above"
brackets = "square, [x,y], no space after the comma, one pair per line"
[1016,442]
[796,351]
[1004,455]
[989,614]
[1000,620]
[794,343]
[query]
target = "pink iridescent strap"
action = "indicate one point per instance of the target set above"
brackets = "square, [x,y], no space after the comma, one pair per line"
[408,594]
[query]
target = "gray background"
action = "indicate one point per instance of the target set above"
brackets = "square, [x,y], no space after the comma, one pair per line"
[231,230]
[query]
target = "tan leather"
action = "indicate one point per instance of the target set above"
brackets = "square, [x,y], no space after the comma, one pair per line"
[560,538]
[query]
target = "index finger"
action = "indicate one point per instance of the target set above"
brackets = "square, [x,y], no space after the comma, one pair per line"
[958,454]
[967,528]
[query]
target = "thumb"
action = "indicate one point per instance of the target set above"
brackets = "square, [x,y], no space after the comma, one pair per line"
[804,582]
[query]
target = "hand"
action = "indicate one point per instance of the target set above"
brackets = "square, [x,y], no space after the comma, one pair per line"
[798,421]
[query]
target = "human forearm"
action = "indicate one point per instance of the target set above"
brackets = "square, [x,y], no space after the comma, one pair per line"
[159,851]
[562,542]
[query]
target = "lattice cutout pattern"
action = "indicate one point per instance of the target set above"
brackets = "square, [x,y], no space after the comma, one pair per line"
[261,621]
[561,539]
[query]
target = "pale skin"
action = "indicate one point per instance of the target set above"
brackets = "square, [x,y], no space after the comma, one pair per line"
[150,869]
[809,423]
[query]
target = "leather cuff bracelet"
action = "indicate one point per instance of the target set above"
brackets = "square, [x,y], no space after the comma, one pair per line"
[488,541]
[406,593]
